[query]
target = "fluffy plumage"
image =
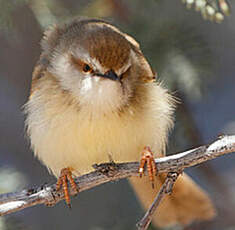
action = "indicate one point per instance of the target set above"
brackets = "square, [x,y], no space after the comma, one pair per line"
[76,119]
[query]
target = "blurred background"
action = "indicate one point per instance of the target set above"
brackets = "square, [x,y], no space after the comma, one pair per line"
[195,59]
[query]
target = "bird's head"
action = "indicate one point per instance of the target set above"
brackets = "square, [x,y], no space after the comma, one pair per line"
[99,65]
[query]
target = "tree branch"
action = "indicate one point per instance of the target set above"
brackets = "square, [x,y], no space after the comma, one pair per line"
[164,190]
[12,202]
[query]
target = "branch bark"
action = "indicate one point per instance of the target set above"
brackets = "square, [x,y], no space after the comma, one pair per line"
[12,202]
[164,190]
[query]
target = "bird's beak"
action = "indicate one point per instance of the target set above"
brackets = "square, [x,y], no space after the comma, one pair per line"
[110,75]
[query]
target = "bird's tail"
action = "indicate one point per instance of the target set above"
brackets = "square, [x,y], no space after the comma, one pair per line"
[187,202]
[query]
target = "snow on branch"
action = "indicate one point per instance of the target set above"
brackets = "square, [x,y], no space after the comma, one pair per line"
[106,172]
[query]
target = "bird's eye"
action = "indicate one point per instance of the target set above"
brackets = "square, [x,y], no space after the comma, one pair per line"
[86,68]
[81,65]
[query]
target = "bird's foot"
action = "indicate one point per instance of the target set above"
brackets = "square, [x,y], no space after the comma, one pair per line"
[147,158]
[65,177]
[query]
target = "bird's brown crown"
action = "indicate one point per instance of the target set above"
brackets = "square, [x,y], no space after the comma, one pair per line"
[110,48]
[101,40]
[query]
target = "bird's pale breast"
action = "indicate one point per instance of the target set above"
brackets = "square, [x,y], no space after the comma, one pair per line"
[62,136]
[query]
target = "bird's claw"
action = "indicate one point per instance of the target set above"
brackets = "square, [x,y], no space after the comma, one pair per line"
[65,177]
[147,158]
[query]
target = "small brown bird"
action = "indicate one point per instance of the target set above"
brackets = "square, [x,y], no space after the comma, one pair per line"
[93,97]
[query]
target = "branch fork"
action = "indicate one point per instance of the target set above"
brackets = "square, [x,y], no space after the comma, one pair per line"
[165,189]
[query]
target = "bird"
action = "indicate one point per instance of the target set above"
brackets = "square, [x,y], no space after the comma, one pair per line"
[93,97]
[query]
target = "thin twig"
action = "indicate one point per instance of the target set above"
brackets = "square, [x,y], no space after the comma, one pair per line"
[165,189]
[12,202]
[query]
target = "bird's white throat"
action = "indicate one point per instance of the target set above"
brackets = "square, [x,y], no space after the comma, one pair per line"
[100,95]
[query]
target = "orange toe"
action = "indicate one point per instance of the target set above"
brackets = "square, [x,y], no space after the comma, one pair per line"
[147,158]
[65,177]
